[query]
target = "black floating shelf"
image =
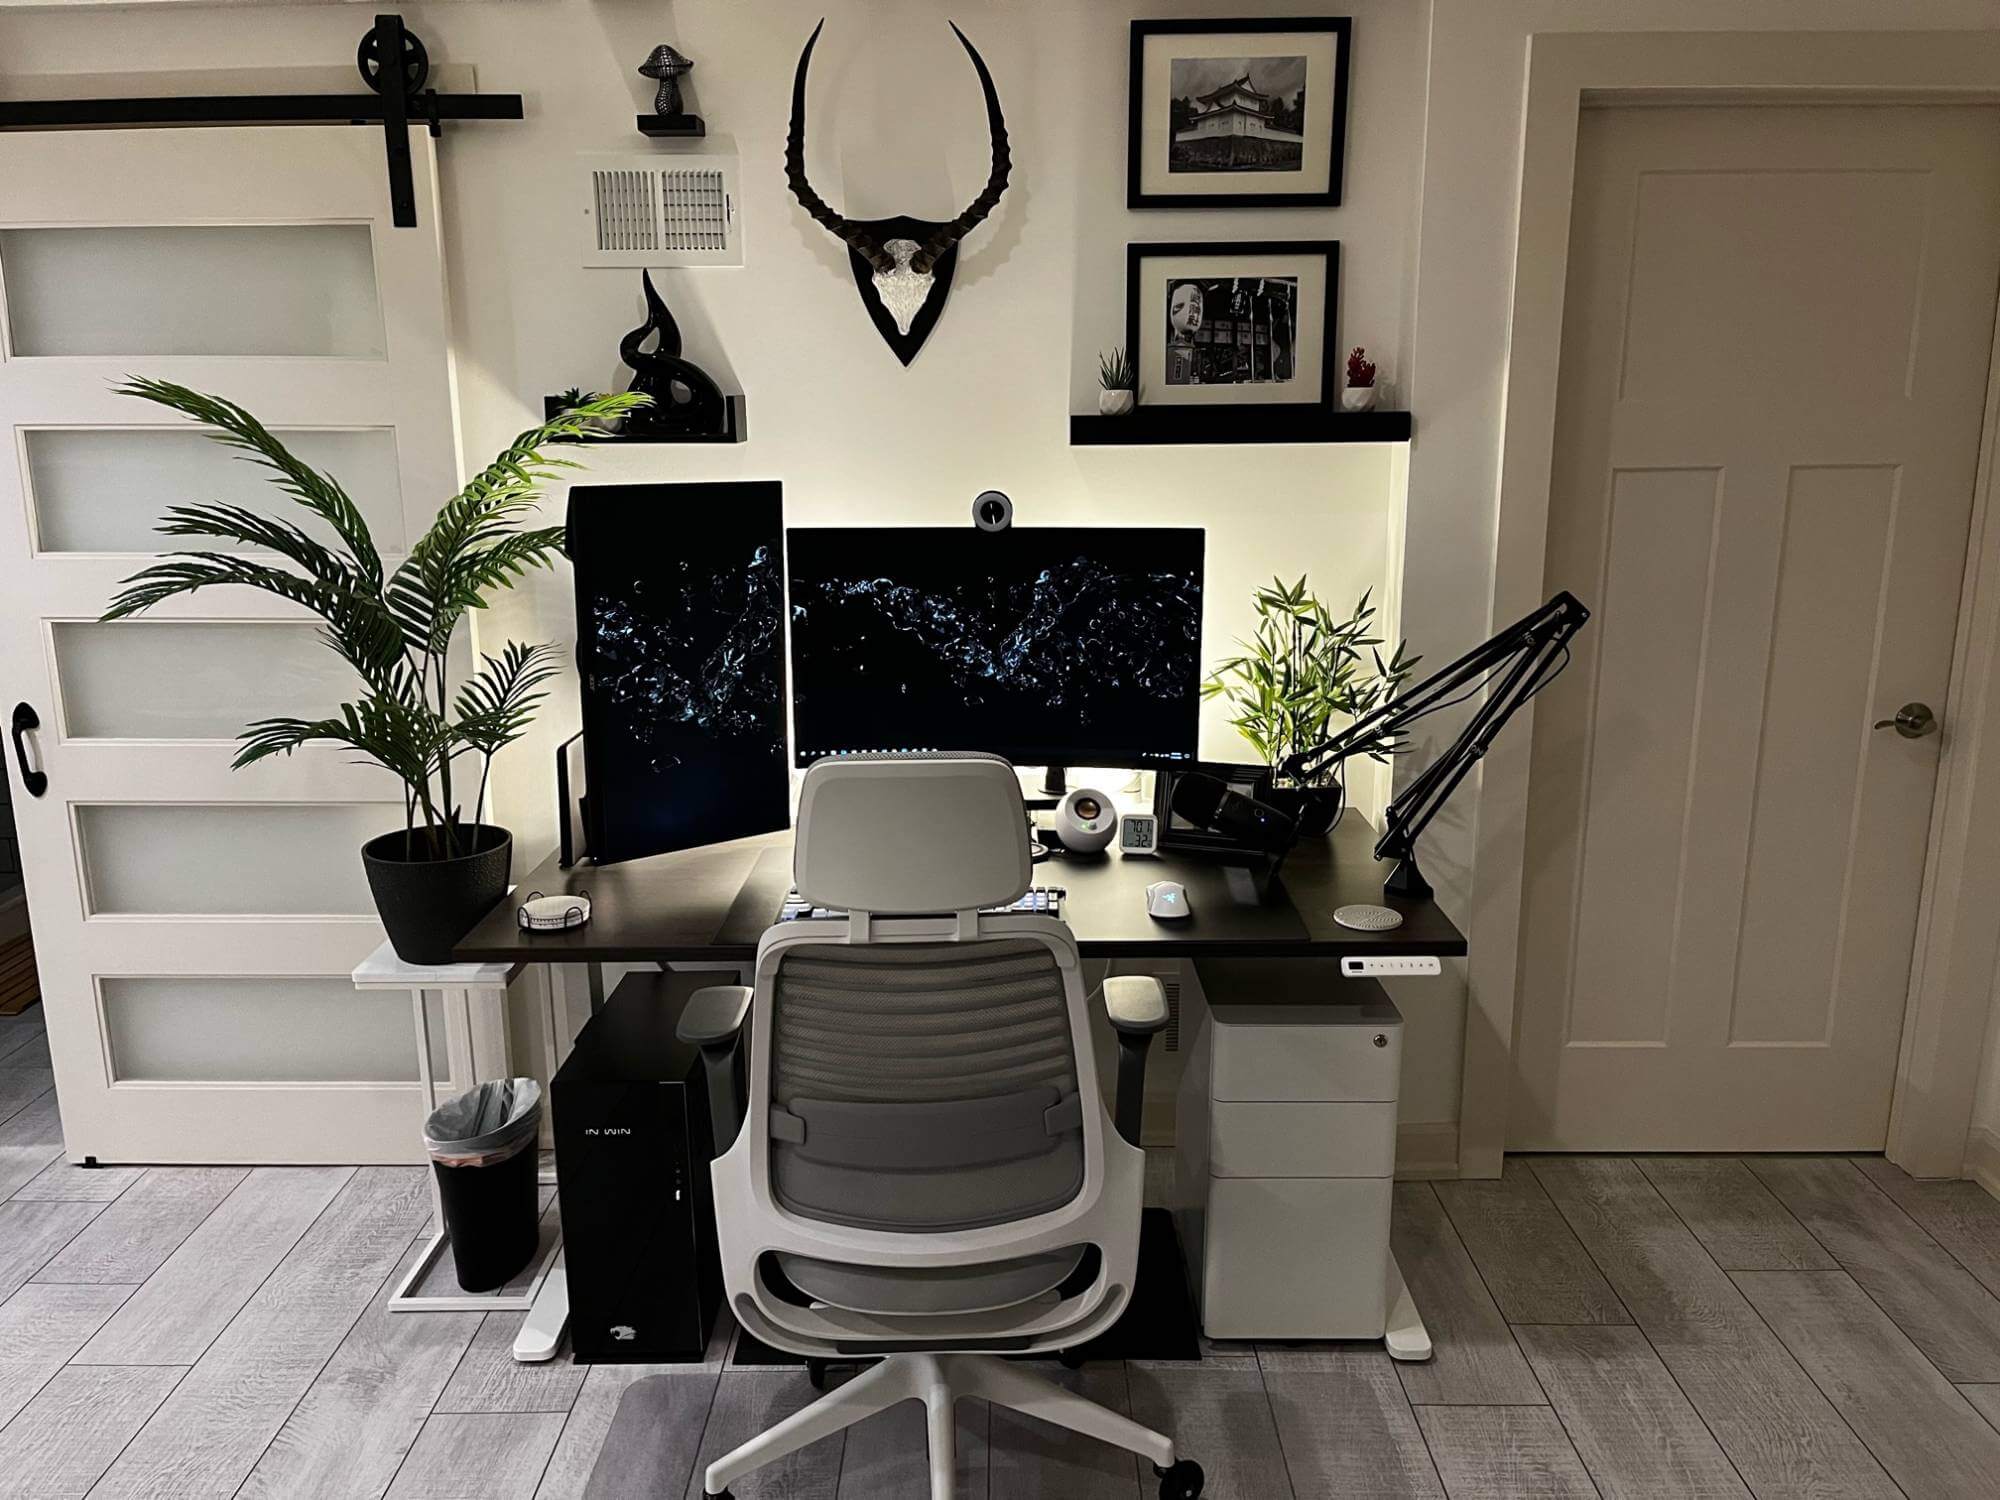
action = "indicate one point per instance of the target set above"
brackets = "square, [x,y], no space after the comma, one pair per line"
[1156,425]
[673,127]
[732,431]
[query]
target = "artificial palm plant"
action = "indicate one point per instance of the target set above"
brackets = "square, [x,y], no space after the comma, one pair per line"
[1302,667]
[394,627]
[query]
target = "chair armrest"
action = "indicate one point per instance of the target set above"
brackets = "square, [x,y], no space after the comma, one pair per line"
[713,1021]
[1136,1004]
[1137,1007]
[714,1015]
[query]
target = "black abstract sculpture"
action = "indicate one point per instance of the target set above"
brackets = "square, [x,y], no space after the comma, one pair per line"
[666,65]
[686,403]
[903,266]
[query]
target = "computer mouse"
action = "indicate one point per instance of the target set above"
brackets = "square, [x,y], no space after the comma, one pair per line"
[1167,899]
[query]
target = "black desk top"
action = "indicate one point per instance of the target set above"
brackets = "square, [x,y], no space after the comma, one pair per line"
[715,903]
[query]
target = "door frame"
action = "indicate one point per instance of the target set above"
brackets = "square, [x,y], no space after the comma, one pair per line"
[1952,983]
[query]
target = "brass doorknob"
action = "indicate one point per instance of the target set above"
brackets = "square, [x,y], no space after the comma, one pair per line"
[1913,721]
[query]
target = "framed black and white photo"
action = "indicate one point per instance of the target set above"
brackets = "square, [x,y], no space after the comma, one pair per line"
[1238,114]
[1247,324]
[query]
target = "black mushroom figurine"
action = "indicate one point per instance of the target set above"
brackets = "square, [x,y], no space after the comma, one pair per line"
[667,66]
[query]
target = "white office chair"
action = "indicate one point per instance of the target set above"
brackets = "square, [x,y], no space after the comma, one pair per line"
[926,1171]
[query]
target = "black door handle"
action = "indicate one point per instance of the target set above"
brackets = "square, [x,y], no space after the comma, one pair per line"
[34,783]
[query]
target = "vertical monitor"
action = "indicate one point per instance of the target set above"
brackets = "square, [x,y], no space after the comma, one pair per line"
[1063,645]
[680,647]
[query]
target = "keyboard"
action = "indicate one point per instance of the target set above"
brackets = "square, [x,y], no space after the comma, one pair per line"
[1039,901]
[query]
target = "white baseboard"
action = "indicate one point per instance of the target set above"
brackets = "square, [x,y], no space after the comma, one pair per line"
[1427,1151]
[1982,1158]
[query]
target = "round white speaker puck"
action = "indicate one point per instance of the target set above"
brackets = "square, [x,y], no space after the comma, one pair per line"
[1368,918]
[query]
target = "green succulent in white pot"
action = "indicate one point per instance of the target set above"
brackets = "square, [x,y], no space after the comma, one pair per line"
[1118,384]
[445,868]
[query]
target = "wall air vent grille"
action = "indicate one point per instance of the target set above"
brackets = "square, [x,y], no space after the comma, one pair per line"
[645,212]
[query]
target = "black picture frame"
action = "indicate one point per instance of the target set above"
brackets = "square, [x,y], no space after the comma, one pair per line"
[1342,30]
[1136,254]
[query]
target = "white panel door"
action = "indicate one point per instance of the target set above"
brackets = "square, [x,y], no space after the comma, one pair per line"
[195,926]
[1776,338]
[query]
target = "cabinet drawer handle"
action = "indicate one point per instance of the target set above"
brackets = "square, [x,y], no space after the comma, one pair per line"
[34,783]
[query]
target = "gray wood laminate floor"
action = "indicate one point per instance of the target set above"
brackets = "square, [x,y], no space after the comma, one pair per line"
[1647,1327]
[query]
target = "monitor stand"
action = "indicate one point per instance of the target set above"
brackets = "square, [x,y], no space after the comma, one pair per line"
[1048,796]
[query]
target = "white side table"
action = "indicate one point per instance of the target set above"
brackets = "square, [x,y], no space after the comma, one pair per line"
[474,997]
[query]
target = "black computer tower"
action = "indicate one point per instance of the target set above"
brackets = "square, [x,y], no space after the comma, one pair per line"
[633,1145]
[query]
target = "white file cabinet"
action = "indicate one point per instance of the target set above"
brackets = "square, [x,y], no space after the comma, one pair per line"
[1286,1157]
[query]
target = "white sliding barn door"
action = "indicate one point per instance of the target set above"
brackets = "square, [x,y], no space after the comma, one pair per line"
[194,925]
[1774,368]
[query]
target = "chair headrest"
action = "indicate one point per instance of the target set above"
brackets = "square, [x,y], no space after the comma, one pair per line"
[911,833]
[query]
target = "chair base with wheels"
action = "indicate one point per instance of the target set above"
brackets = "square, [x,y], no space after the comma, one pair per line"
[941,1381]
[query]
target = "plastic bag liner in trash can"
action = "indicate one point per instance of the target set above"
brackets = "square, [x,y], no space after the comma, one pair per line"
[481,1146]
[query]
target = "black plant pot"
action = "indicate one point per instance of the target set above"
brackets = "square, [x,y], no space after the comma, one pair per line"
[1314,808]
[427,903]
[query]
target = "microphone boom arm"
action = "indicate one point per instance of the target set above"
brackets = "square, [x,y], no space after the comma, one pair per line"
[1517,663]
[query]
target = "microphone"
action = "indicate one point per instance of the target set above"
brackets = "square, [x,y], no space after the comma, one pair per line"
[1208,801]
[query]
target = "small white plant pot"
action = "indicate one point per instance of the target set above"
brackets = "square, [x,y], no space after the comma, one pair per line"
[1358,398]
[1115,403]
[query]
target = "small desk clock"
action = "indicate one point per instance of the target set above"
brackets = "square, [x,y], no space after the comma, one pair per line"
[1139,833]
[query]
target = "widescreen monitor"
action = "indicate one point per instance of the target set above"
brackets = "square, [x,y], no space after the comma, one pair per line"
[1048,645]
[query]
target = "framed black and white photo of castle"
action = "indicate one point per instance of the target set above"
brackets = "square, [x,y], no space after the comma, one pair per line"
[1238,114]
[1233,324]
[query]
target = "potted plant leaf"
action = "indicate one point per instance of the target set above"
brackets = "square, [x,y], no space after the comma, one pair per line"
[1118,382]
[1360,392]
[1303,667]
[576,397]
[445,868]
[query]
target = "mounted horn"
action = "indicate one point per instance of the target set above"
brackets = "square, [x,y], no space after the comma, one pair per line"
[951,233]
[903,266]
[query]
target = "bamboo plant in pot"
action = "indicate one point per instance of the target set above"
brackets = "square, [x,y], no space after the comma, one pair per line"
[445,868]
[1302,668]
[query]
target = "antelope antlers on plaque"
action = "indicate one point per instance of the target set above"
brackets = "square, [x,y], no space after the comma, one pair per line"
[903,266]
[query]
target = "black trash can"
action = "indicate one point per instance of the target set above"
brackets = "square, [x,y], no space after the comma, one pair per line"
[482,1148]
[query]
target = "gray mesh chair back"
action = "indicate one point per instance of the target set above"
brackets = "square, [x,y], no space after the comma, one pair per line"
[923,1087]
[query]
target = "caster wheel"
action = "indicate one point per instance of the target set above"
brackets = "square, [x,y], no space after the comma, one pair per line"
[816,1373]
[1069,1359]
[1182,1482]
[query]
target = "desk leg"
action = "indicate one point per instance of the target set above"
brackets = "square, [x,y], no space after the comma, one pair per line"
[553,1002]
[1406,1337]
[556,1037]
[541,1332]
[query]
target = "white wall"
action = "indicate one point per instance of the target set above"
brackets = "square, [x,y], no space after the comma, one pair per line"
[1427,232]
[1986,1109]
[896,127]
